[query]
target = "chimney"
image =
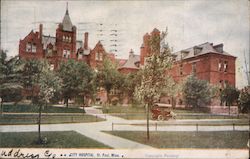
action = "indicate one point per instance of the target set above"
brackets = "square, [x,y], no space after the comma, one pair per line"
[86,39]
[40,31]
[131,53]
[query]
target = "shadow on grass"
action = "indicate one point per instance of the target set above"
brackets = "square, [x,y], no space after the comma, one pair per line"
[65,139]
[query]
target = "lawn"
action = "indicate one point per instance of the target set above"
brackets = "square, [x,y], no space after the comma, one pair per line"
[23,108]
[139,113]
[66,139]
[216,139]
[47,119]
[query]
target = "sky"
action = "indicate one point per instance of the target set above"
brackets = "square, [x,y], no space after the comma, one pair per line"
[189,23]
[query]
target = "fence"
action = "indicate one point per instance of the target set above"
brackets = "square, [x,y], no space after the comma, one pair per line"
[196,125]
[49,118]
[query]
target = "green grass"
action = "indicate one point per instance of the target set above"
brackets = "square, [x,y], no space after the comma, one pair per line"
[23,108]
[66,139]
[216,139]
[47,119]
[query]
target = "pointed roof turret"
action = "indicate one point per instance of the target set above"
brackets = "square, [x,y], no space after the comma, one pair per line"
[66,23]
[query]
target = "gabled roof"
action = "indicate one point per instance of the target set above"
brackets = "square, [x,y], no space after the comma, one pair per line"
[130,63]
[46,40]
[200,50]
[66,23]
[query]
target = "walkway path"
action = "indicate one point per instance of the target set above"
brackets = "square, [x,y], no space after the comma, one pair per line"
[95,130]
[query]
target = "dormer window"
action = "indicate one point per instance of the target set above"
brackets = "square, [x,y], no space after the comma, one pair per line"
[197,50]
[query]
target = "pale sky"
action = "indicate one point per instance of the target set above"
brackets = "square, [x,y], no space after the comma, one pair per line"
[189,22]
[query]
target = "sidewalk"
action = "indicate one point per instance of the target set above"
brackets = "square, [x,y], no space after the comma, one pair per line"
[94,130]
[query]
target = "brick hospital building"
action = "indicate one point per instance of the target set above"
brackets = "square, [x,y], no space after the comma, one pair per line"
[208,61]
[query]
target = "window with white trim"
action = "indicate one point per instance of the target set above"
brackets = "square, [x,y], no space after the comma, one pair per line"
[28,47]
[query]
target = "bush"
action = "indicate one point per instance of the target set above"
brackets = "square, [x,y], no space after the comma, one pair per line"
[114,101]
[244,100]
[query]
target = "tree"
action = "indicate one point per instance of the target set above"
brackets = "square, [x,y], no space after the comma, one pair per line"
[196,92]
[244,99]
[76,78]
[172,90]
[108,77]
[10,75]
[30,76]
[229,95]
[129,83]
[154,78]
[48,84]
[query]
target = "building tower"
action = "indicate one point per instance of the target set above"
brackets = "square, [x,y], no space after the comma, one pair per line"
[66,38]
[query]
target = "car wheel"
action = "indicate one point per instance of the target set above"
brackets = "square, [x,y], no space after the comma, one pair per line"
[152,116]
[160,118]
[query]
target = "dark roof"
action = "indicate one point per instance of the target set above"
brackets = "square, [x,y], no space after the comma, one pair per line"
[130,63]
[66,23]
[200,50]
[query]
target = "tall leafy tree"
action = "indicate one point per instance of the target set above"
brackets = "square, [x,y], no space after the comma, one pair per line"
[10,75]
[30,76]
[229,95]
[196,92]
[108,77]
[49,83]
[76,79]
[154,78]
[244,99]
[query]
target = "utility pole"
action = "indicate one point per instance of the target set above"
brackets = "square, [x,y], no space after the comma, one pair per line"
[247,67]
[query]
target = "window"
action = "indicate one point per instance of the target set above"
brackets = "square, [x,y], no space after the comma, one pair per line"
[98,56]
[52,66]
[64,53]
[68,53]
[28,47]
[225,66]
[194,67]
[49,52]
[33,48]
[64,39]
[220,66]
[69,39]
[181,69]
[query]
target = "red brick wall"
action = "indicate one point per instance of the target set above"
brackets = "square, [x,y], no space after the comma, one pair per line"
[127,70]
[31,38]
[65,45]
[206,68]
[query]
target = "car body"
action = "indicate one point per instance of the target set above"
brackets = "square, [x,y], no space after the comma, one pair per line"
[162,112]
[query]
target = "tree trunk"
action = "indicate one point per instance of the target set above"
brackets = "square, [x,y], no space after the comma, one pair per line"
[147,107]
[39,124]
[67,102]
[229,109]
[1,108]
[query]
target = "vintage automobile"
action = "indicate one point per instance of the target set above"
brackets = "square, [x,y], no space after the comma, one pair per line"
[162,112]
